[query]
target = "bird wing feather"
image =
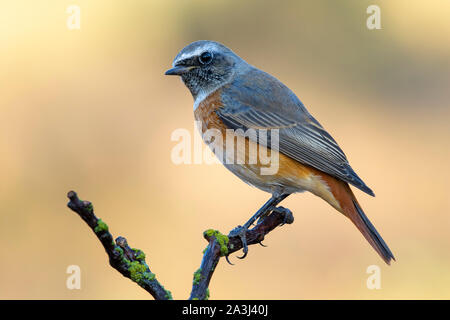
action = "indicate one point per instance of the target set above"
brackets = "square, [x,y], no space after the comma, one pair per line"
[265,103]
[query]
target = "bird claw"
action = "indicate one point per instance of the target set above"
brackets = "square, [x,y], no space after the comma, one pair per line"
[228,260]
[245,249]
[262,244]
[240,232]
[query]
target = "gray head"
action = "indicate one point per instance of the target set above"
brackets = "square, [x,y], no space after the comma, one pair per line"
[205,66]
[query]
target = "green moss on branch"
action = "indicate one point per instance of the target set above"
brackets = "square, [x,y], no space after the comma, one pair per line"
[222,239]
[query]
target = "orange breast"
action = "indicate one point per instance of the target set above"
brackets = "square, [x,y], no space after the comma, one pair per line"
[206,113]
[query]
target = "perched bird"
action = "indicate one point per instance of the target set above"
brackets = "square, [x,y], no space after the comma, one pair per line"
[229,93]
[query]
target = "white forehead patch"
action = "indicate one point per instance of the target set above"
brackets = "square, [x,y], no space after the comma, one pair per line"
[196,52]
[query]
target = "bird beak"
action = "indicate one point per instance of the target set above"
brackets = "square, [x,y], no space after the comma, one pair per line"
[178,70]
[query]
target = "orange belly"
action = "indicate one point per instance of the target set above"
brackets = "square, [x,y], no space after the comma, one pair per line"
[291,176]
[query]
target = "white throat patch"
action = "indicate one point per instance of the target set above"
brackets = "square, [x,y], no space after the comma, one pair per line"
[202,95]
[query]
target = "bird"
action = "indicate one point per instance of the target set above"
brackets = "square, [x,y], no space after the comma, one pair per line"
[230,94]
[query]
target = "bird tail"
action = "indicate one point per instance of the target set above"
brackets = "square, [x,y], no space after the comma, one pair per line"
[354,212]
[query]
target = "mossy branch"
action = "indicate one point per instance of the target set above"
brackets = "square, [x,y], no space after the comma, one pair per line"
[131,262]
[220,245]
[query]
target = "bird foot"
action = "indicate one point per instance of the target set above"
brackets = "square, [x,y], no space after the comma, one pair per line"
[240,232]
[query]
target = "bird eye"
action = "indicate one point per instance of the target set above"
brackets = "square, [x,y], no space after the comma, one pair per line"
[205,58]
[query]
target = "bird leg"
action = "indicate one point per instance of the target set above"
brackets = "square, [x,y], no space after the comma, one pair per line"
[265,210]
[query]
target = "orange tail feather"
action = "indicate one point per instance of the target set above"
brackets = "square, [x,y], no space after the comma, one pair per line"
[352,210]
[357,216]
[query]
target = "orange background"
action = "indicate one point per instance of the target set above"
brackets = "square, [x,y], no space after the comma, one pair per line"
[90,110]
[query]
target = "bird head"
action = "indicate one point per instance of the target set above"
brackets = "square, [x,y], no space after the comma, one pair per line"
[205,66]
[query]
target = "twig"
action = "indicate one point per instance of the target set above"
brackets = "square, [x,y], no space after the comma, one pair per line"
[220,245]
[129,262]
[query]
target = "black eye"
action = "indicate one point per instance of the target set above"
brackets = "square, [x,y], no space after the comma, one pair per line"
[205,58]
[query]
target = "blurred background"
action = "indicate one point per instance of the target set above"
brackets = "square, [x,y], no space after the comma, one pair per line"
[90,110]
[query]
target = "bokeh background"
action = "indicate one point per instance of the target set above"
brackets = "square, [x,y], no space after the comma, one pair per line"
[90,110]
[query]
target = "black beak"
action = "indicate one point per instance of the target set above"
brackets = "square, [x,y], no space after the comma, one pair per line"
[178,70]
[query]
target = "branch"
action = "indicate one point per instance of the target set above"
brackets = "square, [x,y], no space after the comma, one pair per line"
[221,245]
[129,262]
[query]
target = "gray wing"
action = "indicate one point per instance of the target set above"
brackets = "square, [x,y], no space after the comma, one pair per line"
[265,103]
